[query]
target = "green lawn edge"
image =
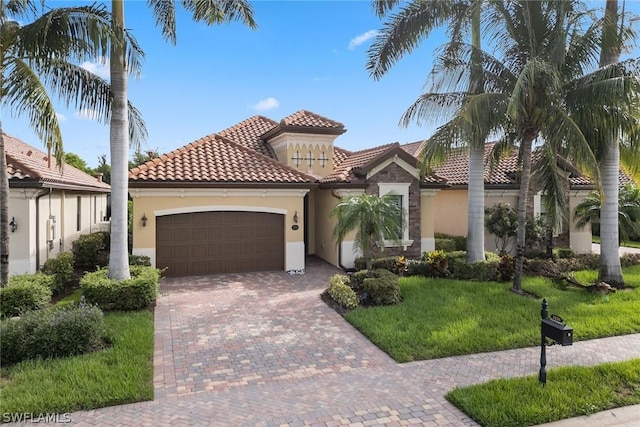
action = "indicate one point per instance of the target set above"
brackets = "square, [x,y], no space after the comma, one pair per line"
[570,392]
[443,317]
[122,373]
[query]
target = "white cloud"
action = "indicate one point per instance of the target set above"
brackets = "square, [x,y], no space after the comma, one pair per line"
[86,114]
[266,104]
[99,68]
[61,117]
[358,40]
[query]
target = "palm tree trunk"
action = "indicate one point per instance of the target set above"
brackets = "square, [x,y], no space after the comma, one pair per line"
[610,268]
[119,142]
[525,177]
[4,214]
[475,195]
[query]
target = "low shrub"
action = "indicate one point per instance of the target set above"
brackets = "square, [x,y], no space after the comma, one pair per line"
[395,264]
[506,268]
[382,288]
[130,294]
[491,256]
[91,251]
[461,241]
[438,262]
[341,293]
[54,332]
[139,260]
[535,253]
[418,268]
[356,279]
[24,293]
[628,260]
[579,262]
[566,253]
[360,263]
[446,245]
[61,267]
[478,271]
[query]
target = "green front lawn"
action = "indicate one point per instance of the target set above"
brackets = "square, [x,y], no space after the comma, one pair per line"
[570,392]
[630,244]
[441,317]
[120,374]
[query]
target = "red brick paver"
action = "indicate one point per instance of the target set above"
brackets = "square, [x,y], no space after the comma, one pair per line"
[261,349]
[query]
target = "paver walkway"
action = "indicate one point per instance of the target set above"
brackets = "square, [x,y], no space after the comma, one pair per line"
[262,349]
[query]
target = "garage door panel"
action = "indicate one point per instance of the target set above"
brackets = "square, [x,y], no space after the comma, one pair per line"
[220,242]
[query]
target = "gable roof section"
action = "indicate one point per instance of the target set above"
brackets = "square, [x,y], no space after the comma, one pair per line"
[354,166]
[215,159]
[28,167]
[304,121]
[248,134]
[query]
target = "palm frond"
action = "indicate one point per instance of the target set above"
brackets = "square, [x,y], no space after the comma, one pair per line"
[220,12]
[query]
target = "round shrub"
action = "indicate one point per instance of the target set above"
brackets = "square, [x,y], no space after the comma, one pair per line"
[140,260]
[628,260]
[341,293]
[25,293]
[446,245]
[129,294]
[91,250]
[53,332]
[418,268]
[382,288]
[61,267]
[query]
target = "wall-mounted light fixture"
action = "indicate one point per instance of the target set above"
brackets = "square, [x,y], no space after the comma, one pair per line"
[144,220]
[295,217]
[13,224]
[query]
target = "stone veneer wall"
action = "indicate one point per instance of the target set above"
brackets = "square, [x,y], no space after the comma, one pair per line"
[394,173]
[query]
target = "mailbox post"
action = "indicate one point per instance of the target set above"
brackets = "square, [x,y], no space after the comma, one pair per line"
[553,328]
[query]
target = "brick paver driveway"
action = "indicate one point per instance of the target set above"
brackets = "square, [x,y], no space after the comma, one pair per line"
[263,349]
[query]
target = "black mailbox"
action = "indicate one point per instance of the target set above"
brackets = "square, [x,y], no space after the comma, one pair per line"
[557,331]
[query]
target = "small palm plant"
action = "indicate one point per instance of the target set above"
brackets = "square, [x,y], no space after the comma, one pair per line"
[373,218]
[628,211]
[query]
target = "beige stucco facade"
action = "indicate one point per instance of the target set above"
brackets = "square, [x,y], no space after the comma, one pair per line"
[152,203]
[48,221]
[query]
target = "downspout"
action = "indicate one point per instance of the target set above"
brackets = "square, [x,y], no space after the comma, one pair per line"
[44,193]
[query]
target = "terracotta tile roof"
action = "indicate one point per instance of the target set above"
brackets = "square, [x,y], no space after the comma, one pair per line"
[215,159]
[304,118]
[339,154]
[625,179]
[346,170]
[28,164]
[248,133]
[413,148]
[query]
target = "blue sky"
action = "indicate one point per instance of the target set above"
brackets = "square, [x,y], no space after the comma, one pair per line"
[304,55]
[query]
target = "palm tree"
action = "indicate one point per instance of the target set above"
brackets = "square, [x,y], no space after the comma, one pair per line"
[209,12]
[589,211]
[373,218]
[538,90]
[38,60]
[400,35]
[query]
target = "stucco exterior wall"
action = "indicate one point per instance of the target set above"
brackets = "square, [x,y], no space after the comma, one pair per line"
[318,147]
[450,212]
[427,220]
[47,224]
[157,202]
[326,245]
[579,240]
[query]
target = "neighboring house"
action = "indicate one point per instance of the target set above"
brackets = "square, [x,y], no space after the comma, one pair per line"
[49,207]
[257,196]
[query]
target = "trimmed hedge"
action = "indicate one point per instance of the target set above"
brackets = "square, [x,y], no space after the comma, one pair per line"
[54,332]
[91,251]
[447,245]
[479,271]
[460,241]
[131,294]
[395,264]
[341,293]
[139,260]
[25,293]
[61,267]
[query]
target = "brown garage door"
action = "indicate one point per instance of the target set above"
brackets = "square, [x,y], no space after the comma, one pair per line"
[219,242]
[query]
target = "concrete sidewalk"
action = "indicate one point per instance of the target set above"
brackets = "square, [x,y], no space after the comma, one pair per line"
[629,416]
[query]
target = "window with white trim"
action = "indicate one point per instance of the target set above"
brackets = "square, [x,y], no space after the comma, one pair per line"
[400,191]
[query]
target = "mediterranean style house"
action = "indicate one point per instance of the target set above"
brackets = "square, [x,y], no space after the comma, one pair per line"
[49,206]
[257,196]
